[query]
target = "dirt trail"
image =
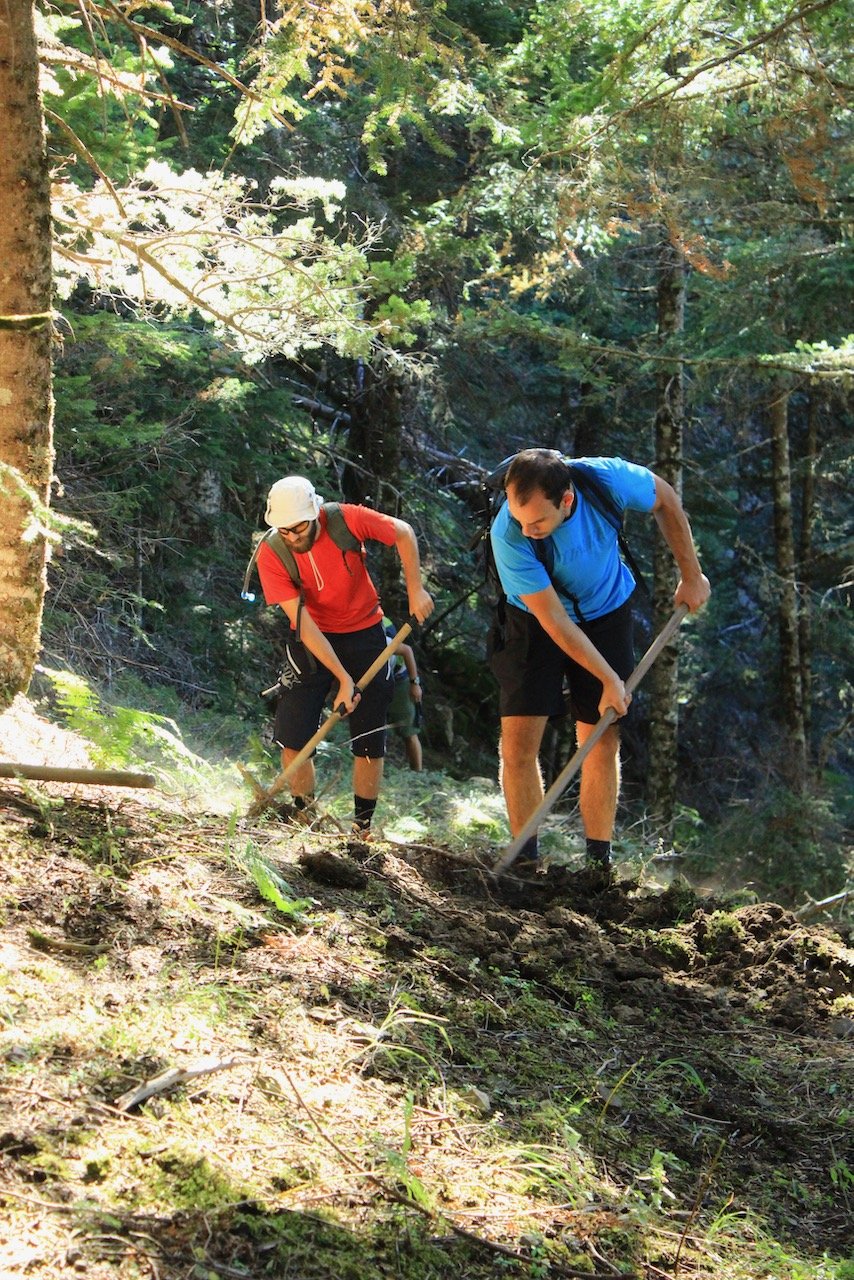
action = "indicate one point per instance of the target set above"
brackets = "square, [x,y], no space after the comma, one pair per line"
[684,1056]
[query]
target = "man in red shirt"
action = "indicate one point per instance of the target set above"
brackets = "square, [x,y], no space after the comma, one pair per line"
[340,624]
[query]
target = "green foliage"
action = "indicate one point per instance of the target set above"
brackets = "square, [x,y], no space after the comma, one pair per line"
[398,1166]
[400,321]
[122,736]
[411,70]
[407,1036]
[93,85]
[185,1180]
[272,887]
[428,804]
[264,271]
[494,22]
[788,844]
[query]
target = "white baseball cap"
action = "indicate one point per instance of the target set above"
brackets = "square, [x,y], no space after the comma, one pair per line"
[290,501]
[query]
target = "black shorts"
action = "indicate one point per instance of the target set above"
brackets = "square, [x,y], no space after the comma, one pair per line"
[299,709]
[530,668]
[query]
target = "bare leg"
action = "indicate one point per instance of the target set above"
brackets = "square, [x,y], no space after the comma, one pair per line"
[520,775]
[301,782]
[367,776]
[600,782]
[412,746]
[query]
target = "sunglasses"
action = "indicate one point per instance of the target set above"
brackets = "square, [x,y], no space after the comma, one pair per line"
[296,530]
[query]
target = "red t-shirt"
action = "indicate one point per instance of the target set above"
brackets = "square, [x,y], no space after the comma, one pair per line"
[339,597]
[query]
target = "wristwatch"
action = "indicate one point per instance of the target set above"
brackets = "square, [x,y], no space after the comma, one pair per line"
[414,679]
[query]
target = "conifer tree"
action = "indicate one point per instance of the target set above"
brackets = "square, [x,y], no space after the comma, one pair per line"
[26,409]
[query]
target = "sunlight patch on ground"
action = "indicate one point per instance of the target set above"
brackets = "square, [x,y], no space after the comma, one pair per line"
[26,738]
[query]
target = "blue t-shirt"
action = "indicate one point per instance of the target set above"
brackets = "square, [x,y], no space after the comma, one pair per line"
[587,563]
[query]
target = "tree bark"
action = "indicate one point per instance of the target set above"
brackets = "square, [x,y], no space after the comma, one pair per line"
[791,686]
[26,405]
[669,420]
[372,474]
[805,567]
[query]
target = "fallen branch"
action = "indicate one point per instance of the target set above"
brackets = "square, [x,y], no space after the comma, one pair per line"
[320,410]
[252,780]
[177,1075]
[42,942]
[813,908]
[89,777]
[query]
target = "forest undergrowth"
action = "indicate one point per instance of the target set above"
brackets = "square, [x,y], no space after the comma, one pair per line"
[245,1049]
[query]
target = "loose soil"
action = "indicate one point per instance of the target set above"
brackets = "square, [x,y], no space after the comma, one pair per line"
[421,1072]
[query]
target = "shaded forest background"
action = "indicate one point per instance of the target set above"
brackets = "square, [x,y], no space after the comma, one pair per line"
[611,229]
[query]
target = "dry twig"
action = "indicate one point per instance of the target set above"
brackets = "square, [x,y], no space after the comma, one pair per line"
[177,1075]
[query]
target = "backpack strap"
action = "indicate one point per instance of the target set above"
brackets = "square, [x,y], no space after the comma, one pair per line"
[338,530]
[274,540]
[277,544]
[544,550]
[600,496]
[341,533]
[586,480]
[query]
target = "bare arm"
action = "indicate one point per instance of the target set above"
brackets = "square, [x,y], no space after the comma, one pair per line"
[408,654]
[420,601]
[546,607]
[693,588]
[317,644]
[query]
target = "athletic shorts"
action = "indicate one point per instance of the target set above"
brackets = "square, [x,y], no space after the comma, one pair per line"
[299,709]
[530,668]
[401,712]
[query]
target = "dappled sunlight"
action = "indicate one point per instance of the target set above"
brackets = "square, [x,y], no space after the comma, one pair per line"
[405,1037]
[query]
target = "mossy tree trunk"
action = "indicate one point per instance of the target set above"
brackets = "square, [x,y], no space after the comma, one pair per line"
[26,405]
[664,717]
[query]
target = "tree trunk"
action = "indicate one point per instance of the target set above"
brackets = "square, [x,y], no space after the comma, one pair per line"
[805,561]
[26,406]
[664,716]
[591,423]
[372,474]
[791,687]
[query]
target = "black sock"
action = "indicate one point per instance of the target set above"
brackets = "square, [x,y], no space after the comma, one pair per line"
[363,810]
[599,852]
[303,802]
[530,850]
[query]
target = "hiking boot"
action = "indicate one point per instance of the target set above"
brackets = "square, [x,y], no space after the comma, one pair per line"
[525,868]
[598,856]
[361,833]
[527,863]
[300,815]
[595,876]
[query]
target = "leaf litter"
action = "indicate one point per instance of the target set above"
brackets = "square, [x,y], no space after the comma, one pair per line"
[389,1064]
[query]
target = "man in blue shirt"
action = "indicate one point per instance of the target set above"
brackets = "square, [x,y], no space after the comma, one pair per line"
[573,622]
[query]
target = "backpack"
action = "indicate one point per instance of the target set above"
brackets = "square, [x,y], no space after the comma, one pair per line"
[338,530]
[587,482]
[396,664]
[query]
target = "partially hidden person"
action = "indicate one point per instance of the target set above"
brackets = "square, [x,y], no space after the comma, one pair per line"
[335,615]
[405,710]
[571,621]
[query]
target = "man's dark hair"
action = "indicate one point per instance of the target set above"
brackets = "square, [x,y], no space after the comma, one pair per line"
[543,469]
